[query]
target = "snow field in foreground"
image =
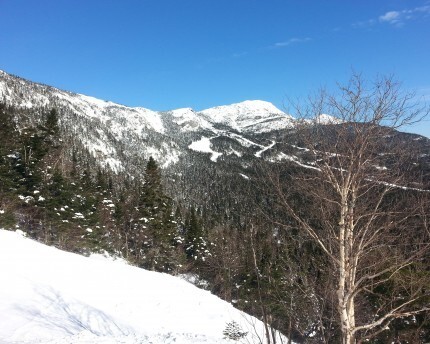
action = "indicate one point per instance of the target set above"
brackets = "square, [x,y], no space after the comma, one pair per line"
[52,296]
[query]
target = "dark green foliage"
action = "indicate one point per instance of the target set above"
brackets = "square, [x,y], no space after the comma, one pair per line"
[7,219]
[51,123]
[194,241]
[8,147]
[149,224]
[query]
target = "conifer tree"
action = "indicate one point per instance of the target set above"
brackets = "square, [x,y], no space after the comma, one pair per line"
[193,234]
[51,123]
[8,148]
[155,230]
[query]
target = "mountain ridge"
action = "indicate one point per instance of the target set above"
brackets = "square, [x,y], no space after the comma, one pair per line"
[165,135]
[244,108]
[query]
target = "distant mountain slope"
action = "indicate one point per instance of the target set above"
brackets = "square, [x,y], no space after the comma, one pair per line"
[50,296]
[164,135]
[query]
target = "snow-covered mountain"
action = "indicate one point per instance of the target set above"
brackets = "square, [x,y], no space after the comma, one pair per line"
[167,136]
[249,116]
[51,296]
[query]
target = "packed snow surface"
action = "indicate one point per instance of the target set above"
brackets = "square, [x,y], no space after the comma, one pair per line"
[51,296]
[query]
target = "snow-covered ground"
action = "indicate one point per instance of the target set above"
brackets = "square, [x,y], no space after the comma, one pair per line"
[51,296]
[204,145]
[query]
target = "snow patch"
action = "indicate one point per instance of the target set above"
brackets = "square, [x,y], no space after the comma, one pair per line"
[282,156]
[165,156]
[204,146]
[243,141]
[3,89]
[114,164]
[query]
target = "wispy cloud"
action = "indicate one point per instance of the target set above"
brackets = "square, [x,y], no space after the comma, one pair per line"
[391,17]
[291,41]
[239,54]
[396,18]
[399,18]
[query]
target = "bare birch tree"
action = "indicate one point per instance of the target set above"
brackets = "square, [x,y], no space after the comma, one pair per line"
[366,206]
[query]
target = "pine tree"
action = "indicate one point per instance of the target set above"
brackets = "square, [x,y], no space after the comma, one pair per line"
[8,158]
[193,234]
[155,231]
[8,147]
[51,123]
[152,196]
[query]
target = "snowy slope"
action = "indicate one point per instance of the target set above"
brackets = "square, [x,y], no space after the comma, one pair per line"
[189,120]
[250,115]
[51,296]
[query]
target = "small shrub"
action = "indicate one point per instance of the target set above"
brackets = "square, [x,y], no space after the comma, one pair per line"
[233,331]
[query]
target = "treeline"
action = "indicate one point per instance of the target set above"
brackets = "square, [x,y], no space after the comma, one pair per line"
[52,189]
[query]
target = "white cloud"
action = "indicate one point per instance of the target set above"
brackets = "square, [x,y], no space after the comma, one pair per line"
[291,41]
[391,17]
[423,9]
[398,18]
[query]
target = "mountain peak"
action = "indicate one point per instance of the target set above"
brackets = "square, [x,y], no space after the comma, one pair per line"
[249,115]
[182,112]
[245,107]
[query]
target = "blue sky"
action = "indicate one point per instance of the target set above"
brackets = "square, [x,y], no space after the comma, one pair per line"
[166,54]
